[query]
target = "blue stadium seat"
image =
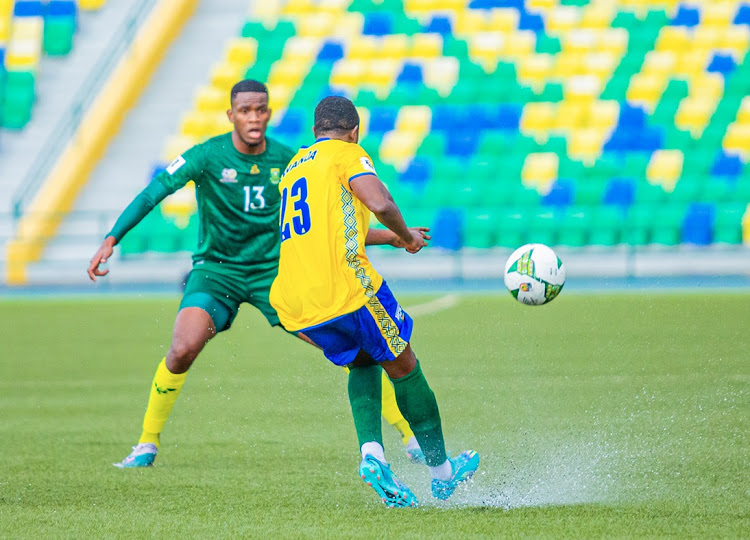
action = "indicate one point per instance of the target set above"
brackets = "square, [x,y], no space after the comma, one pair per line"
[722,63]
[447,232]
[620,191]
[697,227]
[61,8]
[378,23]
[439,25]
[686,16]
[530,21]
[462,144]
[292,123]
[410,73]
[331,51]
[418,172]
[443,117]
[743,15]
[508,117]
[561,194]
[382,119]
[28,8]
[726,165]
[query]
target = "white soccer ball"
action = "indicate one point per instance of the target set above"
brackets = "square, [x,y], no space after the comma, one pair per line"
[534,274]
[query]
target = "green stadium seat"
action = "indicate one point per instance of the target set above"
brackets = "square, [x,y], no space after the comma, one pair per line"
[667,228]
[512,228]
[58,35]
[606,226]
[728,224]
[574,226]
[481,229]
[543,225]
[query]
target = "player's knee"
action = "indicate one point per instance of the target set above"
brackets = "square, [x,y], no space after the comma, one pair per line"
[181,355]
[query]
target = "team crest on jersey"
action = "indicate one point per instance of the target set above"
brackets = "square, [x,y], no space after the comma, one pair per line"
[367,165]
[275,175]
[254,169]
[229,176]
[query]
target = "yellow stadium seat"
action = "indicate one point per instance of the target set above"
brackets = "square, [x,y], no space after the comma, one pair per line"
[449,5]
[287,72]
[597,16]
[580,41]
[363,47]
[315,25]
[279,96]
[600,64]
[693,114]
[91,5]
[735,39]
[562,19]
[743,113]
[659,62]
[180,205]
[569,116]
[441,73]
[364,122]
[541,5]
[646,89]
[27,28]
[298,7]
[242,51]
[301,48]
[224,75]
[211,99]
[537,119]
[535,70]
[567,64]
[503,20]
[614,40]
[486,46]
[586,145]
[333,6]
[176,145]
[347,72]
[348,26]
[603,115]
[707,86]
[664,168]
[673,38]
[395,46]
[416,118]
[582,88]
[398,147]
[520,44]
[706,37]
[426,46]
[718,14]
[198,125]
[4,30]
[540,171]
[737,140]
[691,63]
[470,21]
[381,73]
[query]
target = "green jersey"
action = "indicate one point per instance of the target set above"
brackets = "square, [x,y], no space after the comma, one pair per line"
[237,195]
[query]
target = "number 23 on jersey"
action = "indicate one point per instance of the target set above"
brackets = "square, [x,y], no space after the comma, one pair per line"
[295,212]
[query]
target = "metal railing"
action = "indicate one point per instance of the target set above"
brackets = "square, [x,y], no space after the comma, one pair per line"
[71,119]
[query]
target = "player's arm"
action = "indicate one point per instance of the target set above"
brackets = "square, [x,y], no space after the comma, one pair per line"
[386,237]
[375,196]
[179,172]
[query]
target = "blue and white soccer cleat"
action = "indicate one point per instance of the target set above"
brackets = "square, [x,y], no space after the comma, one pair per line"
[416,456]
[391,490]
[143,455]
[464,466]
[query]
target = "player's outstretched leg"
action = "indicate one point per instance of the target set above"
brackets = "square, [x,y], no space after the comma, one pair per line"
[391,490]
[193,329]
[463,468]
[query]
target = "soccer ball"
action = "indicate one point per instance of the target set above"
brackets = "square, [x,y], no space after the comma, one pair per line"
[534,274]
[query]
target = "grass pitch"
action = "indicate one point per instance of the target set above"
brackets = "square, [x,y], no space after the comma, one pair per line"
[595,416]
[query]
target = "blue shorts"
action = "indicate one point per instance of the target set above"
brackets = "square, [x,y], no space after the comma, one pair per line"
[380,328]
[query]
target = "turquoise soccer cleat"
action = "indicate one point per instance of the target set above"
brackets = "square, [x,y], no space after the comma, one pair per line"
[391,490]
[464,466]
[143,455]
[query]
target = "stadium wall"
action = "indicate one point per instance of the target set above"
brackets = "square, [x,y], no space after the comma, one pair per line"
[99,125]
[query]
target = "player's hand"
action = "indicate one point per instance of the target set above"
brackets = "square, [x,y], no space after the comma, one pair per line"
[100,257]
[398,243]
[419,239]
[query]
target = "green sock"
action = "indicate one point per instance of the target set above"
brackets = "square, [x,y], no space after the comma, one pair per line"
[365,386]
[418,405]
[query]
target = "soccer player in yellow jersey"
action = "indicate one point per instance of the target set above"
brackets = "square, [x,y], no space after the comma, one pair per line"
[327,290]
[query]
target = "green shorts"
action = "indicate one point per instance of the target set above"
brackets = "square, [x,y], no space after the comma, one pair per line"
[219,289]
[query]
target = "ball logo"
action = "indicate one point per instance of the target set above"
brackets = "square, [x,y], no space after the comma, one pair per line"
[525,287]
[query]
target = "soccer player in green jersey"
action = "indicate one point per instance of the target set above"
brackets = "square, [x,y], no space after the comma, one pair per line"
[236,177]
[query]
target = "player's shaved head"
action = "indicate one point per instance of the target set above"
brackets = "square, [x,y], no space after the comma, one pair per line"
[335,115]
[248,85]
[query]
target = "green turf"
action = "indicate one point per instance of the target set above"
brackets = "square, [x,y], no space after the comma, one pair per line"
[595,416]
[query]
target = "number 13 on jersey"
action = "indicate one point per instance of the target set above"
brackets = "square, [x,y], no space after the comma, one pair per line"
[297,218]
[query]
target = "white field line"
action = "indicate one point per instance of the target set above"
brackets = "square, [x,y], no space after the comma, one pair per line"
[433,306]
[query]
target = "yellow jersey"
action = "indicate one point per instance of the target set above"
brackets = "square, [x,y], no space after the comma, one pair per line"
[324,272]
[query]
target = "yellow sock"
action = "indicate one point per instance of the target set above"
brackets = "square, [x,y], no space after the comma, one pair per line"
[164,391]
[391,412]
